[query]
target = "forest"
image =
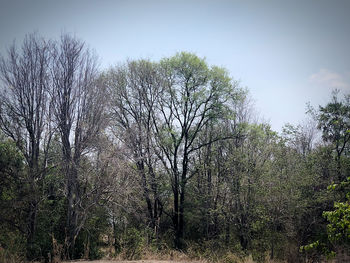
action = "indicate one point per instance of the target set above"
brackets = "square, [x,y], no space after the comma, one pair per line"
[161,157]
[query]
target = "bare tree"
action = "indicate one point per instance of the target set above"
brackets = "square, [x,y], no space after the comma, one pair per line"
[301,137]
[25,114]
[78,106]
[134,91]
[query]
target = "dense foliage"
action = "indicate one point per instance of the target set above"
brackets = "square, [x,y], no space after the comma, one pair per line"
[154,156]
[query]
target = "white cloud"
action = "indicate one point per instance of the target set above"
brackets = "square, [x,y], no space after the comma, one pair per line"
[330,80]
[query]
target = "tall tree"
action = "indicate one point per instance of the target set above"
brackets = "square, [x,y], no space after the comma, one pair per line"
[78,106]
[192,95]
[24,114]
[134,89]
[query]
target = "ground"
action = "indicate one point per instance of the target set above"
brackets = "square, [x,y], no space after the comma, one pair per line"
[132,261]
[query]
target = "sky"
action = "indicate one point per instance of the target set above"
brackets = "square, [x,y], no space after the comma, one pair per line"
[287,53]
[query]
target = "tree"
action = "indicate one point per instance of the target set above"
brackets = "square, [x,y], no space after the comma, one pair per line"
[192,95]
[338,229]
[159,110]
[134,89]
[334,121]
[11,201]
[78,101]
[301,137]
[212,185]
[250,160]
[25,115]
[332,165]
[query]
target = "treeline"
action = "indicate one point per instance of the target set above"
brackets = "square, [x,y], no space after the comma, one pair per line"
[158,156]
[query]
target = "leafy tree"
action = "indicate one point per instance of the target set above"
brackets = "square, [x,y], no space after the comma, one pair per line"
[11,201]
[334,121]
[192,96]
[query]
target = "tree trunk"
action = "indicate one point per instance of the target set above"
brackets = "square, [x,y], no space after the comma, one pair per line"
[176,214]
[180,234]
[72,213]
[31,225]
[141,170]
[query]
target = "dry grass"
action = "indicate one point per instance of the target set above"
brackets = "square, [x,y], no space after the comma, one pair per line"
[131,261]
[6,257]
[177,258]
[234,260]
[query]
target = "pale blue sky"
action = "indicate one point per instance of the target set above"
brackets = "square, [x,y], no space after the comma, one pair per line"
[287,53]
